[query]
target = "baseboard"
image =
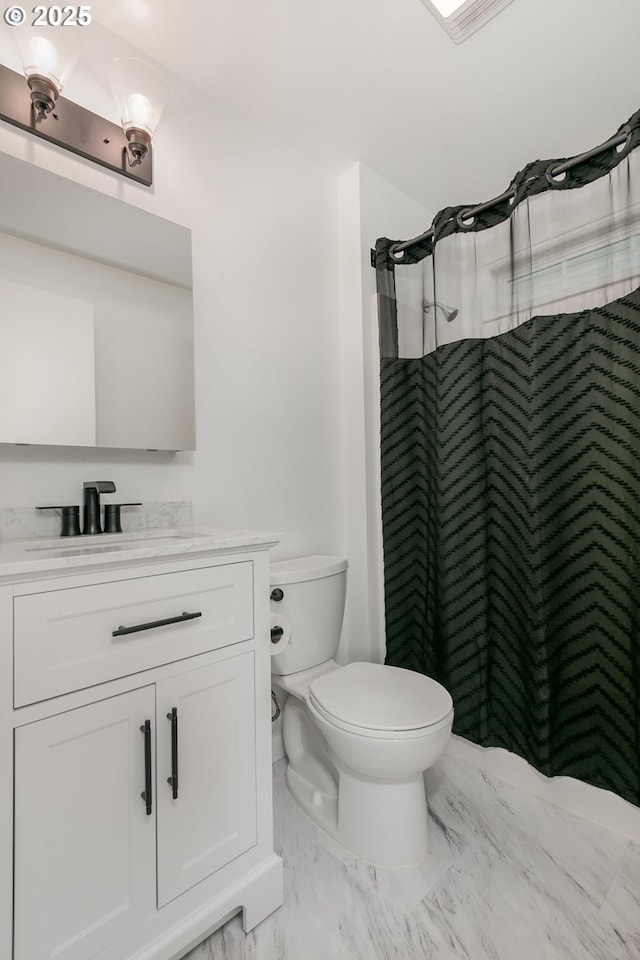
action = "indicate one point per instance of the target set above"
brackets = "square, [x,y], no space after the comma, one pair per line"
[599,806]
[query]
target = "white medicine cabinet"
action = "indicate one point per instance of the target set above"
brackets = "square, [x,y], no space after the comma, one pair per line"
[96,318]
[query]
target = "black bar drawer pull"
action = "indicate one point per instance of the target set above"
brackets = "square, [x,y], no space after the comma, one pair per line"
[173,779]
[122,631]
[146,794]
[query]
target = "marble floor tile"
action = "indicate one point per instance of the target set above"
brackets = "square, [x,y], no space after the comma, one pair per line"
[622,905]
[509,878]
[523,829]
[487,908]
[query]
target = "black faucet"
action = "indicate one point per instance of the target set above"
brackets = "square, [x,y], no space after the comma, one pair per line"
[92,491]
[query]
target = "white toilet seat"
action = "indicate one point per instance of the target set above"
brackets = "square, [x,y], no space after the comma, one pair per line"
[374,700]
[372,733]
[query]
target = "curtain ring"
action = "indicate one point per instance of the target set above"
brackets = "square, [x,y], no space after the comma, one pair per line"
[555,180]
[396,255]
[622,148]
[465,219]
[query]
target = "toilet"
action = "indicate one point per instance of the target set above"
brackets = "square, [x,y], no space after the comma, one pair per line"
[359,737]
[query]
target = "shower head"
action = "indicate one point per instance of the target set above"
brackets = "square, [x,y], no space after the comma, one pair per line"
[449,313]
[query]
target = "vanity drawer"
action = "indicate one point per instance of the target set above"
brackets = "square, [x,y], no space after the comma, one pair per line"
[64,639]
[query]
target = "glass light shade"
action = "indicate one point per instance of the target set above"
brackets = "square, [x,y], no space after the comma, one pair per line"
[44,55]
[140,92]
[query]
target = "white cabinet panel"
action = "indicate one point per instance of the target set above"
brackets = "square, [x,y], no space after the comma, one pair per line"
[84,845]
[63,639]
[213,818]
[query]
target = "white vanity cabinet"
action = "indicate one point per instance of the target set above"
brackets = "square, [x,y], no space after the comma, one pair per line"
[139,716]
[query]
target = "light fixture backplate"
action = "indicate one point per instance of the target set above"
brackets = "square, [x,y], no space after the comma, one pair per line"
[469,17]
[72,127]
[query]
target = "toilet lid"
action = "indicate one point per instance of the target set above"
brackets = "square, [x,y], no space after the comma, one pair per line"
[378,697]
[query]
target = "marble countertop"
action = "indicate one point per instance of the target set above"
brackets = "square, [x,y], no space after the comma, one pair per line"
[41,557]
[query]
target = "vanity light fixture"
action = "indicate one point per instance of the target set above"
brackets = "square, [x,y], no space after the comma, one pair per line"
[461,18]
[39,108]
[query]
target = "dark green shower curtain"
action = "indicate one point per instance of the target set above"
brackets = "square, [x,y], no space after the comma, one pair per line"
[511,511]
[510,471]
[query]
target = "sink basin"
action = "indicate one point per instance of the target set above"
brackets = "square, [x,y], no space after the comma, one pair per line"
[110,543]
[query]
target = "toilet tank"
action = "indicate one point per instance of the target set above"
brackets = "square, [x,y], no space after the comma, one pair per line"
[312,608]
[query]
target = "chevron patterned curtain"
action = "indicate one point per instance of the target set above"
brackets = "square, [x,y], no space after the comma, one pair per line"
[510,466]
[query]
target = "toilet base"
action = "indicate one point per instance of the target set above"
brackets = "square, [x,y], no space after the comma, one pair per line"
[384,822]
[321,805]
[380,822]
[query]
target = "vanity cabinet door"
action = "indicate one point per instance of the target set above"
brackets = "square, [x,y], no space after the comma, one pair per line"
[209,741]
[85,845]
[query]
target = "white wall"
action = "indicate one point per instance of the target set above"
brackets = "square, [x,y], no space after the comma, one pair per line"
[268,408]
[285,335]
[369,207]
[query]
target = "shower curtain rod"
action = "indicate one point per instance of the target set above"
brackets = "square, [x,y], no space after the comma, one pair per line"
[396,250]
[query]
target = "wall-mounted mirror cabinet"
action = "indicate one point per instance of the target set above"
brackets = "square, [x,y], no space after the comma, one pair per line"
[96,318]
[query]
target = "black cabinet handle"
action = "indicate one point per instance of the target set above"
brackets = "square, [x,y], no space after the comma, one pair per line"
[122,631]
[146,794]
[173,779]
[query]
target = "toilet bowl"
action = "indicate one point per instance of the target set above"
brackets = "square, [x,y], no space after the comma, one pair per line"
[359,737]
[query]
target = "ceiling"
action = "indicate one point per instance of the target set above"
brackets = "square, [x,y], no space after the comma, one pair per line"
[381,82]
